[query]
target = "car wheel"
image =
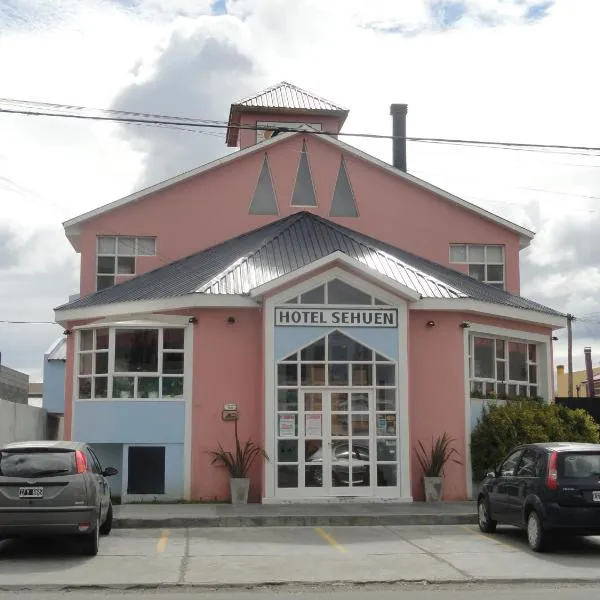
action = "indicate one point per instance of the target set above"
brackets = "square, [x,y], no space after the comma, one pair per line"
[536,536]
[106,527]
[91,541]
[486,524]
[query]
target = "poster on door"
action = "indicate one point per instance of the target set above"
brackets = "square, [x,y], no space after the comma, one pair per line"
[313,425]
[287,426]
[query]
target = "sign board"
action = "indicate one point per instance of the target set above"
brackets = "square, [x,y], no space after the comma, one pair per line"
[336,317]
[313,425]
[287,426]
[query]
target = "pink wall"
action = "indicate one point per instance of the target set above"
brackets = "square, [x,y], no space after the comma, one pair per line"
[213,207]
[227,369]
[437,388]
[247,137]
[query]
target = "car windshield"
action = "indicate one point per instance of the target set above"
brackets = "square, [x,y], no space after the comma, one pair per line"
[36,463]
[579,465]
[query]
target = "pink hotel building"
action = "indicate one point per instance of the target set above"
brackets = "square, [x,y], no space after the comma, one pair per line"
[347,308]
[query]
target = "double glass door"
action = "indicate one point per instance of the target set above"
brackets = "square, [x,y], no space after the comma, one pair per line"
[337,437]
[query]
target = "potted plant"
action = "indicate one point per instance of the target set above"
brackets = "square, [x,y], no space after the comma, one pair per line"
[433,463]
[238,465]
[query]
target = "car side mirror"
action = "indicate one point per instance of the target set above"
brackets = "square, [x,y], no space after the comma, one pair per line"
[110,471]
[491,475]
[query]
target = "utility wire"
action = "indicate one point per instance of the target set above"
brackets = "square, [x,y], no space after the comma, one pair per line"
[178,121]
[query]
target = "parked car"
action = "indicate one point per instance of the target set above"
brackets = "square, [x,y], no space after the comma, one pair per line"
[54,488]
[547,489]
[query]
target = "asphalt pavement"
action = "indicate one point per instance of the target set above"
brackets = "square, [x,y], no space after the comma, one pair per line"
[234,558]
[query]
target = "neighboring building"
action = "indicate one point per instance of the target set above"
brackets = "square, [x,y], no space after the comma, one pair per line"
[14,385]
[36,393]
[316,288]
[579,382]
[54,377]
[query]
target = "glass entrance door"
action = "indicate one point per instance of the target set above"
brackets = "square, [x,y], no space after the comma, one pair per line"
[338,442]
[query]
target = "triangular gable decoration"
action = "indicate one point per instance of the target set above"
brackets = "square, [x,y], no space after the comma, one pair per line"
[264,201]
[304,191]
[343,203]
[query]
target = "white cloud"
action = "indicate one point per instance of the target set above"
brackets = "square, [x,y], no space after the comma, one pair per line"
[513,80]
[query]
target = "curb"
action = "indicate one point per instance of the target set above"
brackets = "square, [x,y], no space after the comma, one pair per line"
[298,585]
[294,521]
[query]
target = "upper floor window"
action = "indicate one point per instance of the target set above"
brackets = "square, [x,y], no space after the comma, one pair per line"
[336,292]
[131,363]
[503,368]
[116,255]
[486,263]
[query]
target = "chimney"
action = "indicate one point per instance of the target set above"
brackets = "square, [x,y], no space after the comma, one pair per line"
[560,369]
[398,112]
[587,351]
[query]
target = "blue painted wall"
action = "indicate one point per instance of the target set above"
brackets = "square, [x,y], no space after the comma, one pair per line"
[290,339]
[129,422]
[111,455]
[53,399]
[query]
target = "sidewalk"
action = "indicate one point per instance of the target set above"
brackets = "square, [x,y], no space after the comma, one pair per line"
[144,516]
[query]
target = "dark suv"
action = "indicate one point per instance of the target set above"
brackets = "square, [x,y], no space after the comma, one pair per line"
[546,489]
[54,488]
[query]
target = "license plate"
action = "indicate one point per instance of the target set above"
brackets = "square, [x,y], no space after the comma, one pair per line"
[38,492]
[596,496]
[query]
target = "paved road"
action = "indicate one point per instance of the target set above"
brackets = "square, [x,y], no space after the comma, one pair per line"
[254,556]
[461,592]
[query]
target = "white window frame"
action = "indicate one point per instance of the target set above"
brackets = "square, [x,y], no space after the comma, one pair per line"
[492,386]
[135,254]
[111,374]
[485,262]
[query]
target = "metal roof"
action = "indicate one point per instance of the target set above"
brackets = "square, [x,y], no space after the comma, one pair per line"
[286,95]
[263,255]
[58,350]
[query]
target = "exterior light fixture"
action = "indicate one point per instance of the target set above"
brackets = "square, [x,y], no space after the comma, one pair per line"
[430,323]
[192,320]
[465,325]
[231,320]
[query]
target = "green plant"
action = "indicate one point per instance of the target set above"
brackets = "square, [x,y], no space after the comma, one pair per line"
[238,463]
[434,461]
[525,421]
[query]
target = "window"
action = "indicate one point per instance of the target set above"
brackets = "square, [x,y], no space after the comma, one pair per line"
[115,255]
[131,363]
[503,368]
[528,465]
[337,292]
[486,263]
[508,466]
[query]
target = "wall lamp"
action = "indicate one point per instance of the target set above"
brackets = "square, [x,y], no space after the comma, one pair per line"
[192,320]
[430,323]
[555,338]
[231,320]
[465,325]
[67,332]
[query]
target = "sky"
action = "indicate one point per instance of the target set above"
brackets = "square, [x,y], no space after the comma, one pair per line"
[498,70]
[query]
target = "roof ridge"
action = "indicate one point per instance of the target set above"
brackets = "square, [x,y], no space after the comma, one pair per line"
[284,224]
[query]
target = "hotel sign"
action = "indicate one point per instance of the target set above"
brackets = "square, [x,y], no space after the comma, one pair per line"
[336,317]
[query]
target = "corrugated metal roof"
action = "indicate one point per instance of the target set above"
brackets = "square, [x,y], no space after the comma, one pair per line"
[260,256]
[286,95]
[58,350]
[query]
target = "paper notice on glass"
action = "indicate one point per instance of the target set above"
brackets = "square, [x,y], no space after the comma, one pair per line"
[313,425]
[287,426]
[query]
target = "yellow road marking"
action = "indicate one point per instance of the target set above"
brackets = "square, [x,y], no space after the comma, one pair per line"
[330,539]
[162,542]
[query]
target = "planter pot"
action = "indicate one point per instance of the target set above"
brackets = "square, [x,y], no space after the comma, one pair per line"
[239,490]
[433,489]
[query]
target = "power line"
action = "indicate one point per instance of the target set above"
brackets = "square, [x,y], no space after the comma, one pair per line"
[178,121]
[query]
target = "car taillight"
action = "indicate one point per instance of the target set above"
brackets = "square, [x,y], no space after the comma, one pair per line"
[80,462]
[552,477]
